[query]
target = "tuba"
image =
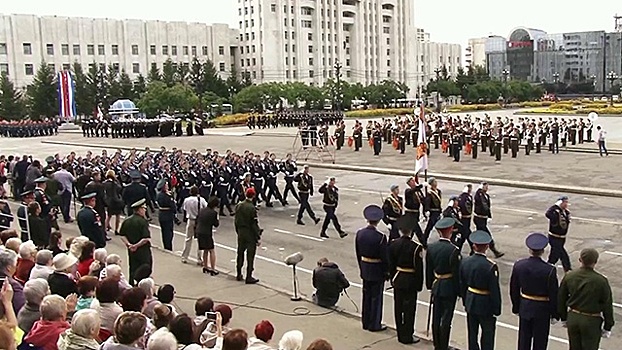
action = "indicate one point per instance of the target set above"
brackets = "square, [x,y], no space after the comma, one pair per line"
[592,116]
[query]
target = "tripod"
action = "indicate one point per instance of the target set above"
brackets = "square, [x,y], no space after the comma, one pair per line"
[307,143]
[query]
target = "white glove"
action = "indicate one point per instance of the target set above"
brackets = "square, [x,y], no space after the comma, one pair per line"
[606,334]
[564,324]
[554,321]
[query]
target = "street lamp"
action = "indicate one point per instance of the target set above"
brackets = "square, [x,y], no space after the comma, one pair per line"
[612,77]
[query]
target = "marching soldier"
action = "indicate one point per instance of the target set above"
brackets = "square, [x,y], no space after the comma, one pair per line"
[433,206]
[480,293]
[305,189]
[465,203]
[413,198]
[442,278]
[330,200]
[559,220]
[393,208]
[406,271]
[371,254]
[586,304]
[289,168]
[137,239]
[89,221]
[533,292]
[453,211]
[482,213]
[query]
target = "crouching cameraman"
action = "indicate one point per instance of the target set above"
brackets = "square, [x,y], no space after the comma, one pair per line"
[329,282]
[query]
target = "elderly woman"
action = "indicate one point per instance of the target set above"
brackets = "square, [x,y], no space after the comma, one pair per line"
[84,329]
[99,262]
[107,293]
[113,263]
[37,226]
[129,330]
[291,340]
[8,265]
[34,291]
[75,249]
[25,262]
[148,285]
[62,281]
[45,332]
[13,244]
[162,339]
[43,265]
[86,258]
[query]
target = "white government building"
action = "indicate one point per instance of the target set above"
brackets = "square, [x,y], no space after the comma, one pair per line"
[276,40]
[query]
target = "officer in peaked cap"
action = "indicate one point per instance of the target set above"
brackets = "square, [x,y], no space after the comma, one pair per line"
[137,238]
[135,192]
[481,293]
[559,222]
[533,292]
[371,254]
[166,213]
[89,221]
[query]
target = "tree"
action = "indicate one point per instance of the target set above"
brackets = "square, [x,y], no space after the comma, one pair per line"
[197,80]
[250,98]
[154,74]
[126,87]
[114,86]
[169,72]
[11,103]
[42,94]
[98,86]
[139,87]
[234,85]
[161,98]
[84,93]
[213,81]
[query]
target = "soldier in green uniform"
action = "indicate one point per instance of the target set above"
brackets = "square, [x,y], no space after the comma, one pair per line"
[136,237]
[585,301]
[89,221]
[442,268]
[480,293]
[249,236]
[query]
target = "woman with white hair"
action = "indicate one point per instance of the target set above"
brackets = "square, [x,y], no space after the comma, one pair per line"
[84,329]
[148,286]
[8,265]
[25,262]
[75,249]
[43,265]
[162,339]
[291,340]
[34,291]
[99,262]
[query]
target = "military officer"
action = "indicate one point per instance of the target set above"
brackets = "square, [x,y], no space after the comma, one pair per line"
[433,205]
[249,236]
[371,255]
[304,182]
[465,203]
[393,208]
[442,278]
[166,213]
[89,221]
[533,292]
[406,271]
[45,203]
[134,192]
[330,200]
[289,168]
[586,304]
[413,198]
[482,212]
[480,293]
[559,220]
[137,239]
[453,211]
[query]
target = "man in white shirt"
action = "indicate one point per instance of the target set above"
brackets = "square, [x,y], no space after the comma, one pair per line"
[600,138]
[192,205]
[67,180]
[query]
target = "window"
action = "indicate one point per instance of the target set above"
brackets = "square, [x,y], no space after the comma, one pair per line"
[27,49]
[294,48]
[388,41]
[115,50]
[348,62]
[242,63]
[252,22]
[253,35]
[389,74]
[135,50]
[3,49]
[90,49]
[221,50]
[310,74]
[152,49]
[246,36]
[101,50]
[294,74]
[246,23]
[174,50]
[254,75]
[304,24]
[29,69]
[310,61]
[221,66]
[310,48]
[50,49]
[386,30]
[309,36]
[204,50]
[52,67]
[66,66]
[76,49]
[154,65]
[4,68]
[184,50]
[115,67]
[293,60]
[285,21]
[64,48]
[286,48]
[254,62]
[246,10]
[136,68]
[253,48]
[287,74]
[286,34]
[248,61]
[287,60]
[193,50]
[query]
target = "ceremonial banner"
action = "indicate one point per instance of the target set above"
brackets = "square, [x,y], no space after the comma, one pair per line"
[421,164]
[66,95]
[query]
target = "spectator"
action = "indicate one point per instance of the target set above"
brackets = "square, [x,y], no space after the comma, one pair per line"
[33,172]
[166,294]
[5,235]
[6,216]
[115,260]
[86,258]
[46,331]
[66,179]
[236,339]
[207,219]
[43,265]
[62,281]
[601,139]
[320,344]
[210,335]
[291,340]
[99,262]
[83,332]
[37,226]
[7,339]
[264,331]
[162,339]
[329,282]
[129,330]
[133,299]
[162,316]
[75,248]
[7,315]
[148,285]
[13,244]
[34,292]
[114,203]
[201,308]
[55,243]
[114,272]
[107,293]
[25,262]
[182,329]
[86,293]
[8,264]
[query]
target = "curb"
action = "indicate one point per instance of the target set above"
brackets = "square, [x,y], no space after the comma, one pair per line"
[615,151]
[406,173]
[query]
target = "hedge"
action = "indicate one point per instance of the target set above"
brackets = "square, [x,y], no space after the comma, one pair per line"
[584,111]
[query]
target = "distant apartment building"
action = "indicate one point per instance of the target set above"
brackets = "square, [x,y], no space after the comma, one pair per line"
[476,52]
[434,56]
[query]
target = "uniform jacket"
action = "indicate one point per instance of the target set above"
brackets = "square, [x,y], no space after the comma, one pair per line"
[246,221]
[91,226]
[329,282]
[433,200]
[465,202]
[412,199]
[305,183]
[482,274]
[135,228]
[443,258]
[559,220]
[372,244]
[404,253]
[167,206]
[482,204]
[534,277]
[331,195]
[98,188]
[393,208]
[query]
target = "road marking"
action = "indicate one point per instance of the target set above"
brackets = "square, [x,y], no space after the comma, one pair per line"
[299,235]
[613,253]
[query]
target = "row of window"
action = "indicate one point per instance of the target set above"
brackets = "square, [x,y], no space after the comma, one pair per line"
[101,49]
[248,62]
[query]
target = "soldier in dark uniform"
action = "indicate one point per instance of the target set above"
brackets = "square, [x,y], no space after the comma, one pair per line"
[481,214]
[377,140]
[134,192]
[442,278]
[480,293]
[166,213]
[393,208]
[22,214]
[406,271]
[330,200]
[371,255]
[453,211]
[456,146]
[586,304]
[47,211]
[413,199]
[289,168]
[465,203]
[533,292]
[249,236]
[474,142]
[97,187]
[497,148]
[137,238]
[433,206]
[305,189]
[90,222]
[559,221]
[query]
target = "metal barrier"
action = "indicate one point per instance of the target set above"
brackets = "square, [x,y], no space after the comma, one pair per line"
[20,220]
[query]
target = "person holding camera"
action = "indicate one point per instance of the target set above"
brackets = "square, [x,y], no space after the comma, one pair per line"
[328,281]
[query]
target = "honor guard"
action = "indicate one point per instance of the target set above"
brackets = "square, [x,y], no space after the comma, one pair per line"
[289,168]
[482,213]
[480,293]
[371,254]
[305,189]
[137,239]
[533,292]
[89,221]
[559,221]
[330,200]
[393,208]
[406,272]
[442,278]
[413,199]
[465,204]
[433,206]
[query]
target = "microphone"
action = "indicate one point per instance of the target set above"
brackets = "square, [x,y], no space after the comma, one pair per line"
[294,259]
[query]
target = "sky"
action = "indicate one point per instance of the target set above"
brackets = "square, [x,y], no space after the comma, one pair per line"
[451,21]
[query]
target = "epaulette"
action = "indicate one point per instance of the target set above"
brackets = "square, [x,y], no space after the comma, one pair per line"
[491,261]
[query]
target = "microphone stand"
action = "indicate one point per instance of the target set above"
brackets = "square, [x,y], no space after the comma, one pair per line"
[296,297]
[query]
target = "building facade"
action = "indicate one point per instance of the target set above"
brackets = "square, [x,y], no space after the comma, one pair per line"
[433,56]
[130,45]
[306,40]
[476,52]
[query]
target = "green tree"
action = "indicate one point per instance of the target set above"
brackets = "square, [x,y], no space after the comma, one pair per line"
[42,94]
[84,94]
[126,87]
[250,98]
[98,86]
[11,103]
[114,86]
[139,87]
[154,74]
[234,84]
[197,80]
[169,72]
[161,98]
[213,81]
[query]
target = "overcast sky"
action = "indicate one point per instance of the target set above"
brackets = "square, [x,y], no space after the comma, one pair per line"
[453,21]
